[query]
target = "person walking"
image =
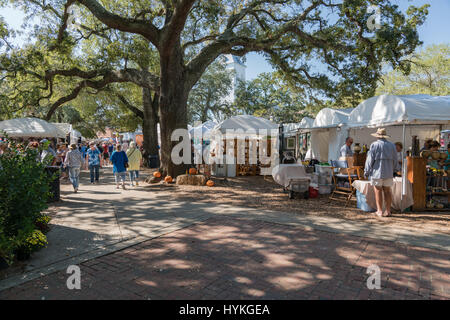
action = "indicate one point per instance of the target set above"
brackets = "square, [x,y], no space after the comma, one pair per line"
[125,146]
[93,161]
[119,161]
[134,162]
[73,162]
[105,153]
[380,166]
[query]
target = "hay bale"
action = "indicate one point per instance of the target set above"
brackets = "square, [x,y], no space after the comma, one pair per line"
[192,180]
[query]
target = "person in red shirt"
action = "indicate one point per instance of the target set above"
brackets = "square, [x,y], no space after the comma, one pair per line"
[105,154]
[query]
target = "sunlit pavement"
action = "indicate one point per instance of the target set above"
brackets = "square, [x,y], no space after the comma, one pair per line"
[224,258]
[137,244]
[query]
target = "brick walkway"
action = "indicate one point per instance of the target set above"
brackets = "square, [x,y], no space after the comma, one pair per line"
[225,258]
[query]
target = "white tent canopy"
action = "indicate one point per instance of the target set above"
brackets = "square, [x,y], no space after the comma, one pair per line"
[246,123]
[387,110]
[307,123]
[204,129]
[64,128]
[29,127]
[328,133]
[424,116]
[329,118]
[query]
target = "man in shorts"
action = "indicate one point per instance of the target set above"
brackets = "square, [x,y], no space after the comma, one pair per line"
[380,166]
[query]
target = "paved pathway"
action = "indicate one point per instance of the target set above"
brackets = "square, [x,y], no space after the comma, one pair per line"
[111,229]
[225,258]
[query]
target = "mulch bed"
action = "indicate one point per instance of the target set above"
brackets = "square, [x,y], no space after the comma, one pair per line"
[264,193]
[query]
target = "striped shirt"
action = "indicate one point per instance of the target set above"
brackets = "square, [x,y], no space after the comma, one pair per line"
[73,159]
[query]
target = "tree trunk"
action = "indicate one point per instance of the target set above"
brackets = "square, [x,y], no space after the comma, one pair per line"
[149,124]
[173,108]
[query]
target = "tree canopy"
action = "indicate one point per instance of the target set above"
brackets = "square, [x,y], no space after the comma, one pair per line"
[323,49]
[430,74]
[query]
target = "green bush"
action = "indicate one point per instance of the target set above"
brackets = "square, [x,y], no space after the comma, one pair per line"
[34,242]
[42,223]
[24,191]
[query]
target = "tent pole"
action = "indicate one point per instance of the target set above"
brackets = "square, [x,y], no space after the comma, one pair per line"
[404,174]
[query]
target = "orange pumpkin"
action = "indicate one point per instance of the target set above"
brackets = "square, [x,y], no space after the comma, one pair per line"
[210,183]
[168,179]
[157,174]
[192,171]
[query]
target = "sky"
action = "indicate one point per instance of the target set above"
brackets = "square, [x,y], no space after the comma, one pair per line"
[436,29]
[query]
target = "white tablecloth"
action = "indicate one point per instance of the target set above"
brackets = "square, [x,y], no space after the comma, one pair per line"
[366,188]
[283,173]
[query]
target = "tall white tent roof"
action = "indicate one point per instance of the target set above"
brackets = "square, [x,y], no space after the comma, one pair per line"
[306,123]
[330,118]
[245,122]
[64,128]
[29,127]
[390,110]
[205,128]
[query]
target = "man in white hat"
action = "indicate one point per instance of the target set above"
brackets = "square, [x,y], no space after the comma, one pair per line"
[380,166]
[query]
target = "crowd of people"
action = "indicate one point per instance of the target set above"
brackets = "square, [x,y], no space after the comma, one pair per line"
[124,158]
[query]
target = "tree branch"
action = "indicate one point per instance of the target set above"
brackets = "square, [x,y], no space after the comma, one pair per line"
[138,26]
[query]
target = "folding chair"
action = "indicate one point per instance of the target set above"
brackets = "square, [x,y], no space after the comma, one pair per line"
[348,175]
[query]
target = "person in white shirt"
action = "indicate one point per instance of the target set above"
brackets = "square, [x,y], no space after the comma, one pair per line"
[346,150]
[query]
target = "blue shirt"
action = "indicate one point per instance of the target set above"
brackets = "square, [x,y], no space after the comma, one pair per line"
[111,149]
[94,159]
[83,151]
[382,160]
[118,159]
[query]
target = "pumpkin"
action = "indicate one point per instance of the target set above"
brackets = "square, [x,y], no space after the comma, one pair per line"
[192,171]
[157,174]
[168,179]
[210,183]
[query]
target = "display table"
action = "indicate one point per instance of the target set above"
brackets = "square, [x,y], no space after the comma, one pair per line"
[366,188]
[283,173]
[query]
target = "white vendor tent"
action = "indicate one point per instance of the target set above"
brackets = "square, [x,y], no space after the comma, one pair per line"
[64,129]
[246,123]
[67,129]
[204,130]
[306,123]
[29,128]
[290,129]
[328,133]
[424,116]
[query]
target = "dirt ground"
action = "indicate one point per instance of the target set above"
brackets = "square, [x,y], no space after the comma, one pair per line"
[264,193]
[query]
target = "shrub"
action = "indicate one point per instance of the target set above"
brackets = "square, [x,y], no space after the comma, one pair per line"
[42,222]
[24,190]
[34,242]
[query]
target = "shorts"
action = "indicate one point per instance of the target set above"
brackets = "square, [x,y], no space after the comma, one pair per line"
[105,156]
[383,182]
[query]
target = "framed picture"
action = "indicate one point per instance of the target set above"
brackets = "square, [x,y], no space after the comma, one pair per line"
[290,143]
